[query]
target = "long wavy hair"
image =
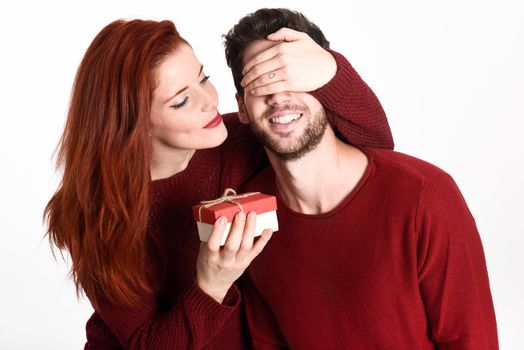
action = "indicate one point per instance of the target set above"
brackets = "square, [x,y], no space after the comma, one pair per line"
[99,213]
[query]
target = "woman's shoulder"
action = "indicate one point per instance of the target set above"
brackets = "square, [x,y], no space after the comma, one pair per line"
[235,128]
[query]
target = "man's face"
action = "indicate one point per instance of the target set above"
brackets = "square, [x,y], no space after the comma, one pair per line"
[289,124]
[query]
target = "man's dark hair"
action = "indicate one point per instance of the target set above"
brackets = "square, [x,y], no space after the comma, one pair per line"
[258,25]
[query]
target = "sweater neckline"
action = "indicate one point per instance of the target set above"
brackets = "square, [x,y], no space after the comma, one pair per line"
[349,197]
[159,184]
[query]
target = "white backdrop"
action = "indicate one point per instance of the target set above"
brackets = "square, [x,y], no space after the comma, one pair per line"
[449,75]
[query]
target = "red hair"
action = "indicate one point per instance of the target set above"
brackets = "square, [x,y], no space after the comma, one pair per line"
[99,212]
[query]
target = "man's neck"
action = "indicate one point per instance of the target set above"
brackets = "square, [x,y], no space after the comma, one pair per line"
[320,180]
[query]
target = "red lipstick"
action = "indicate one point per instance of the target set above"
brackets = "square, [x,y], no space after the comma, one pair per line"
[214,122]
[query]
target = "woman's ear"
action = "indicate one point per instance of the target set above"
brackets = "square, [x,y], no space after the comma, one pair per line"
[242,113]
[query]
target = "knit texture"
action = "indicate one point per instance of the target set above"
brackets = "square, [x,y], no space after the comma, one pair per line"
[398,264]
[179,315]
[356,113]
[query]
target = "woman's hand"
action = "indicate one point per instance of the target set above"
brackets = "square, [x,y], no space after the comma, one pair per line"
[297,64]
[218,267]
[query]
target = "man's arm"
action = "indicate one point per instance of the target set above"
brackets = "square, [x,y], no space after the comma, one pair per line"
[452,270]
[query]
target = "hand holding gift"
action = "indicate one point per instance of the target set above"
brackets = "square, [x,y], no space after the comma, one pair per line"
[218,267]
[207,212]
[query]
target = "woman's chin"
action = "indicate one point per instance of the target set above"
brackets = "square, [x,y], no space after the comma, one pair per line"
[215,138]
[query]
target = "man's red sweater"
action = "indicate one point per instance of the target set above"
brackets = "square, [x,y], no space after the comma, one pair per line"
[398,264]
[179,315]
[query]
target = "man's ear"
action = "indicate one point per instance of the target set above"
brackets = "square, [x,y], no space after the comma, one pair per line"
[242,113]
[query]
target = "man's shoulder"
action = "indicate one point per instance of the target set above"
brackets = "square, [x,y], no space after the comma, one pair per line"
[230,118]
[239,134]
[407,176]
[404,165]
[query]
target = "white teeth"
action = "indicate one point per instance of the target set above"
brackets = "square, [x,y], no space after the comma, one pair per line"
[285,118]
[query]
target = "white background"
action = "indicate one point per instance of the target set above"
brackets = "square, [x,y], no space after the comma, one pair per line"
[449,74]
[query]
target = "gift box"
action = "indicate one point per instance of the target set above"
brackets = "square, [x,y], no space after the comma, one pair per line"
[207,212]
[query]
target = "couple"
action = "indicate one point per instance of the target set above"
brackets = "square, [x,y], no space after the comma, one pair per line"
[376,249]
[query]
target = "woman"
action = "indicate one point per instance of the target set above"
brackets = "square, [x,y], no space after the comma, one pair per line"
[138,150]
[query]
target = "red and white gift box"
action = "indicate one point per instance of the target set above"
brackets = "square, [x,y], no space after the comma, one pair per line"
[207,212]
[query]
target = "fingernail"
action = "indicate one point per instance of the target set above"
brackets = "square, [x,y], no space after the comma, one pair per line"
[251,215]
[222,220]
[241,216]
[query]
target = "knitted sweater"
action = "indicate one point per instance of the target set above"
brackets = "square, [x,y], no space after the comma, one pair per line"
[398,264]
[179,315]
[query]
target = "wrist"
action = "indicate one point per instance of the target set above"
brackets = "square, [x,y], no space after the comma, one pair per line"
[332,67]
[217,293]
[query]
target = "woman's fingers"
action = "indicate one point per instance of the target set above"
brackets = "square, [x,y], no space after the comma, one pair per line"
[269,89]
[218,268]
[249,234]
[296,63]
[240,242]
[261,57]
[235,236]
[213,243]
[264,73]
[261,243]
[286,34]
[272,77]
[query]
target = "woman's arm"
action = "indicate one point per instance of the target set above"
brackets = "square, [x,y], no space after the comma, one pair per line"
[353,108]
[193,321]
[188,315]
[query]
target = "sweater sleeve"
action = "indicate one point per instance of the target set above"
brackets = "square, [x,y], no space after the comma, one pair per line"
[353,108]
[452,271]
[191,323]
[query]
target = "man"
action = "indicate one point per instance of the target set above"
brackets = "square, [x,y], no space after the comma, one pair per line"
[376,249]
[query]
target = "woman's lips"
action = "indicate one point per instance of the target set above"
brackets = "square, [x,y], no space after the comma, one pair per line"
[214,122]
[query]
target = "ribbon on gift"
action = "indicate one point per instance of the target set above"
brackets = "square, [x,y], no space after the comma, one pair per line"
[229,196]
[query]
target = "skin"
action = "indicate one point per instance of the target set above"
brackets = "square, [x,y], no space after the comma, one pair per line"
[184,103]
[288,124]
[320,177]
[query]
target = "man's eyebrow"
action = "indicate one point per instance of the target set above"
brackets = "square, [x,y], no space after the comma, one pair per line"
[185,87]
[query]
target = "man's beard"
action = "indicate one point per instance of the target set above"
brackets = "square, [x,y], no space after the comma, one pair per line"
[308,141]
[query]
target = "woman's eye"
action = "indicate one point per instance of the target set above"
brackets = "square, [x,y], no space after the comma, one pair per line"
[206,78]
[180,104]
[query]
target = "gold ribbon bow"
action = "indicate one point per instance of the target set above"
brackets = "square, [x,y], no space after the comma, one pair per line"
[229,196]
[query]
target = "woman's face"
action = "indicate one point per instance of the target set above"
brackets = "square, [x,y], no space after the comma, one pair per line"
[184,112]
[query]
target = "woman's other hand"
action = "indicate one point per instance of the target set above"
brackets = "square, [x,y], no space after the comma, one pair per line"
[218,267]
[296,64]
